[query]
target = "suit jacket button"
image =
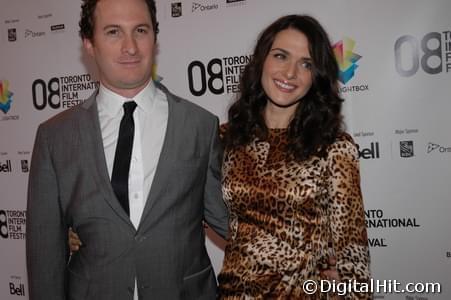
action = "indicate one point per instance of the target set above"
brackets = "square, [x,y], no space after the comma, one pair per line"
[130,290]
[139,239]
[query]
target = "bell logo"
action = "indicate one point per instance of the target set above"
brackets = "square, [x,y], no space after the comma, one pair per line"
[369,153]
[18,291]
[5,167]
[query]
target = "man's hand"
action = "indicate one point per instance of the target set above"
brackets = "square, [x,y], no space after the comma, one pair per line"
[74,241]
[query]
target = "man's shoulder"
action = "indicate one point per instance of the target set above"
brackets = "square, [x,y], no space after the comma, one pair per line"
[65,118]
[189,106]
[60,118]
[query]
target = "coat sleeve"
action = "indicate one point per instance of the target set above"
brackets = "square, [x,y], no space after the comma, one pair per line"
[46,239]
[215,211]
[347,215]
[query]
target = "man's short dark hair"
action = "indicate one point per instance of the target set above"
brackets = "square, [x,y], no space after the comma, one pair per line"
[87,20]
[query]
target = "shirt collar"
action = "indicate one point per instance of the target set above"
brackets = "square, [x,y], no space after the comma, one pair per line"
[111,102]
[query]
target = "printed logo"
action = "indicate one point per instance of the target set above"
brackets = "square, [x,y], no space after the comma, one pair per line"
[375,218]
[17,289]
[16,286]
[202,7]
[64,91]
[176,9]
[235,2]
[346,59]
[24,165]
[12,21]
[3,225]
[6,97]
[406,148]
[432,147]
[6,166]
[45,16]
[219,75]
[31,33]
[371,152]
[12,34]
[57,28]
[406,131]
[12,224]
[431,53]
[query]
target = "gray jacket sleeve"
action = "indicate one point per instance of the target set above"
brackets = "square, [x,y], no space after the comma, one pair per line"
[46,240]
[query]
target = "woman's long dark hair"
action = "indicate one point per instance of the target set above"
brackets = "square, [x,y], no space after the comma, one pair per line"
[317,121]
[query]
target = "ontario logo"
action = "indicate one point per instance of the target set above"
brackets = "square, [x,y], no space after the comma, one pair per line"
[203,7]
[6,97]
[432,147]
[347,62]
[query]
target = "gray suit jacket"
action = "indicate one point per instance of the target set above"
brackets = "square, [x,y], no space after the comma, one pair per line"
[69,186]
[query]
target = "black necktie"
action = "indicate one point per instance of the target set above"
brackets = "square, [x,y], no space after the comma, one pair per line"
[123,155]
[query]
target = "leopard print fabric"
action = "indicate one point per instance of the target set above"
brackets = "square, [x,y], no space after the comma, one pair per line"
[286,217]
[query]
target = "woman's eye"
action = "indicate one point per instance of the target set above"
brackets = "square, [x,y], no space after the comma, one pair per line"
[307,65]
[280,55]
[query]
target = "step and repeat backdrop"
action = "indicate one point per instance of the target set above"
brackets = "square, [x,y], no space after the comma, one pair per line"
[395,75]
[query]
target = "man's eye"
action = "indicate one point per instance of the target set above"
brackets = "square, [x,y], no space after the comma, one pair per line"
[142,30]
[112,32]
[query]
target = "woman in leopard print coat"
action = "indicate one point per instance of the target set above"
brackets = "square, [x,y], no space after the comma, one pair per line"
[291,173]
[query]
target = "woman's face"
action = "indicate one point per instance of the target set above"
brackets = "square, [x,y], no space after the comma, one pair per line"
[287,76]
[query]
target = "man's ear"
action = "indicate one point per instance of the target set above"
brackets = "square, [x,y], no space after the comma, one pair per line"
[89,47]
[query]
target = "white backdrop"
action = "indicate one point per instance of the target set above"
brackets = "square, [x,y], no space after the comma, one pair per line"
[396,81]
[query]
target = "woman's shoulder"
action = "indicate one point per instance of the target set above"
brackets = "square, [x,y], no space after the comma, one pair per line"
[344,137]
[344,143]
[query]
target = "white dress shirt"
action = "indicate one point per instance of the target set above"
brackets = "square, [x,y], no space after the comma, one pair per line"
[150,117]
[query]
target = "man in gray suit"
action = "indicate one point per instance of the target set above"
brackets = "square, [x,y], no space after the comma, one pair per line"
[152,246]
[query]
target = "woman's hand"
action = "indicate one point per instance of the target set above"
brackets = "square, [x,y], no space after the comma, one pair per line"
[331,272]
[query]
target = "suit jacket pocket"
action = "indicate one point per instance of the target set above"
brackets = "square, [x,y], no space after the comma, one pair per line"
[188,174]
[200,285]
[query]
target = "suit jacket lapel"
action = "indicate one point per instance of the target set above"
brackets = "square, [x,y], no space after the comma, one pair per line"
[176,119]
[91,142]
